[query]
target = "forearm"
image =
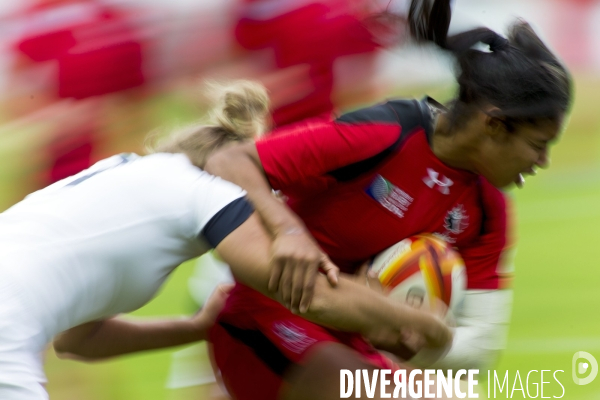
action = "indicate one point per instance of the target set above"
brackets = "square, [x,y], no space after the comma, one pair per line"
[240,164]
[349,306]
[356,308]
[117,336]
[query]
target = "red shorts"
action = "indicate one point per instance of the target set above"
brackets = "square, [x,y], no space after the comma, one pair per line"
[256,340]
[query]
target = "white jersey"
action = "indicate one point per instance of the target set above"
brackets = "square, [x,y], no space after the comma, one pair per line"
[103,241]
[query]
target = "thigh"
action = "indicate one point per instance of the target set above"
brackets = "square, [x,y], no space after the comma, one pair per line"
[256,342]
[245,375]
[318,377]
[287,355]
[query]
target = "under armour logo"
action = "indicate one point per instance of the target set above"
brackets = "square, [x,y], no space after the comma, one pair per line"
[432,180]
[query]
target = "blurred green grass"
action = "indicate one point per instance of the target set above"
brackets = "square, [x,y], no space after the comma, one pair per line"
[556,299]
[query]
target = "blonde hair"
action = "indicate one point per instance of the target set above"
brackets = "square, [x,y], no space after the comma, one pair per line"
[239,112]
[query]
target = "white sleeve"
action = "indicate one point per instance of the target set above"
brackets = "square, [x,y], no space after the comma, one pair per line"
[170,183]
[480,335]
[211,195]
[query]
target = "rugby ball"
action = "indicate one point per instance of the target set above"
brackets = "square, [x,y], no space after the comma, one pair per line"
[420,269]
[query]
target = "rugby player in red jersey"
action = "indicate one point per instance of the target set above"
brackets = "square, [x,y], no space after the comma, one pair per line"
[373,177]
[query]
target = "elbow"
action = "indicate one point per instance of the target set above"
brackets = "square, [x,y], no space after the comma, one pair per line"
[62,348]
[74,343]
[65,352]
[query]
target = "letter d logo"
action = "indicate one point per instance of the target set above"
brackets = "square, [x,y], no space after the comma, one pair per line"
[580,368]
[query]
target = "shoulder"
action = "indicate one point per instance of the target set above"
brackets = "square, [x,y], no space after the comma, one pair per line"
[408,113]
[169,160]
[167,164]
[138,175]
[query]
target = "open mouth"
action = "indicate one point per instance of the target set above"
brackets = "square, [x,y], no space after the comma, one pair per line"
[520,179]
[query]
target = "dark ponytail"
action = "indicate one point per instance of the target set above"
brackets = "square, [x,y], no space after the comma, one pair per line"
[429,21]
[519,75]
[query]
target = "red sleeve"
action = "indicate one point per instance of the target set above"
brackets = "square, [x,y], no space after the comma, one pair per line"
[295,155]
[488,258]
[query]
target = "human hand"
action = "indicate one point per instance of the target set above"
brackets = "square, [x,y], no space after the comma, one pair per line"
[295,262]
[205,318]
[425,328]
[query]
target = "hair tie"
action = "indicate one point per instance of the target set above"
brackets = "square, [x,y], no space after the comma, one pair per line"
[498,43]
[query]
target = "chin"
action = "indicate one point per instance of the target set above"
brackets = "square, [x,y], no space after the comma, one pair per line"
[501,183]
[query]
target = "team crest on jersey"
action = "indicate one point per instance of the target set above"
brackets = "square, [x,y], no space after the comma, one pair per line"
[294,338]
[456,220]
[442,182]
[389,195]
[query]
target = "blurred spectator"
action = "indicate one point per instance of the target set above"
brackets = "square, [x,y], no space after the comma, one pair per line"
[308,33]
[79,49]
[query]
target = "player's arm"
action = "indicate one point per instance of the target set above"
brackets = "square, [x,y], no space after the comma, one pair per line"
[295,257]
[117,336]
[484,316]
[349,306]
[281,161]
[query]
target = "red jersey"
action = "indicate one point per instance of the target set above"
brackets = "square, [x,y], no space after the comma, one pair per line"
[370,179]
[310,33]
[360,184]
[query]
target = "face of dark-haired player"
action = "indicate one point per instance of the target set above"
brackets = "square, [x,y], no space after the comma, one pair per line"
[506,155]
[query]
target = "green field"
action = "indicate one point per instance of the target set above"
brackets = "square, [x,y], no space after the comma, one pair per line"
[556,303]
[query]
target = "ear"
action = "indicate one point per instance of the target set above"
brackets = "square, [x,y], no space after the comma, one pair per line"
[496,124]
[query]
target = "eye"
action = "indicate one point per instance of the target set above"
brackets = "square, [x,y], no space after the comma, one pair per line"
[537,146]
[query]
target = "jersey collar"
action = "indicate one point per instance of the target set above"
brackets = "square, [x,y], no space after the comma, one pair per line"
[430,109]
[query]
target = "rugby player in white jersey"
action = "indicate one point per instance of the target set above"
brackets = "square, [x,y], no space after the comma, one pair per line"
[102,242]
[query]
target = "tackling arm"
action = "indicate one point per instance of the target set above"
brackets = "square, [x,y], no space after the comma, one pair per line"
[241,165]
[295,256]
[349,306]
[288,158]
[117,336]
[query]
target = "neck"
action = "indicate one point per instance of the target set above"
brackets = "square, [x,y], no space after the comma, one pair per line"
[452,147]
